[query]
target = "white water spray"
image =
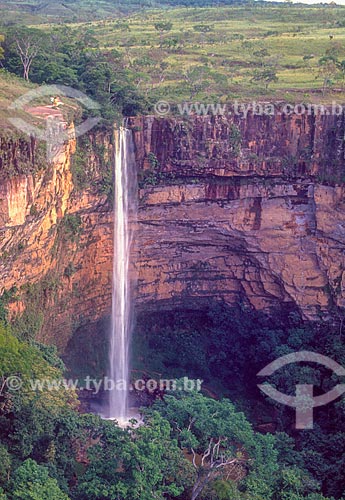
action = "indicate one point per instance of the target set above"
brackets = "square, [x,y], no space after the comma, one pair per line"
[124,212]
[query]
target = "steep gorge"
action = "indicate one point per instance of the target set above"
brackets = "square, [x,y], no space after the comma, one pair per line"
[235,208]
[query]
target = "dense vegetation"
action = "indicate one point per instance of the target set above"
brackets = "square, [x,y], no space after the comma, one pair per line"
[188,447]
[227,347]
[68,58]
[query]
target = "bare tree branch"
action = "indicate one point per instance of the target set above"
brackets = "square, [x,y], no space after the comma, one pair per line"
[194,458]
[207,452]
[191,422]
[28,49]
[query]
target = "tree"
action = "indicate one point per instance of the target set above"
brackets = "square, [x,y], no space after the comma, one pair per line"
[220,443]
[199,78]
[21,48]
[233,344]
[27,362]
[39,424]
[266,75]
[6,463]
[28,48]
[73,58]
[32,482]
[134,464]
[328,71]
[225,490]
[161,27]
[260,55]
[341,67]
[157,465]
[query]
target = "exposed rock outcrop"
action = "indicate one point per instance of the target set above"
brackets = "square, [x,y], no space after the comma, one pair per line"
[250,209]
[258,213]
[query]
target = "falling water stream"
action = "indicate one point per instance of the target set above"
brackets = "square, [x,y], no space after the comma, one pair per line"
[125,197]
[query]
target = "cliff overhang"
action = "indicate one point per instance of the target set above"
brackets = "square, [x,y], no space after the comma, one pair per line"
[230,209]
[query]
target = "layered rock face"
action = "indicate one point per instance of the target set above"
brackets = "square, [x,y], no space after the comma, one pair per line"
[236,209]
[256,212]
[55,246]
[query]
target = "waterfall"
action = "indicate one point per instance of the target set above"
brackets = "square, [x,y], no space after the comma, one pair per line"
[125,197]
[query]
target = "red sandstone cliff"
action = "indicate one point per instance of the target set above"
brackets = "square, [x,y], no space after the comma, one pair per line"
[251,209]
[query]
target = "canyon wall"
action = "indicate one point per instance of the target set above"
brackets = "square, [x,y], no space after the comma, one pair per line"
[55,245]
[246,209]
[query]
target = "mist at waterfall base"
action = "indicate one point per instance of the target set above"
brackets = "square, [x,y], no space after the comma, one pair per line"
[125,208]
